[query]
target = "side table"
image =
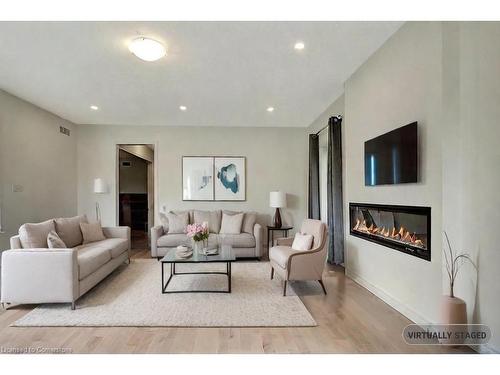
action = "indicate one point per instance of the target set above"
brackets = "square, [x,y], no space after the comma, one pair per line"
[270,235]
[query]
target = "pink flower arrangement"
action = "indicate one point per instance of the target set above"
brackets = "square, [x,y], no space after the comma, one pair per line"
[198,232]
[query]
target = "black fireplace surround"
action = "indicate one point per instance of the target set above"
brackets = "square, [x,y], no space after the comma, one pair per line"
[403,228]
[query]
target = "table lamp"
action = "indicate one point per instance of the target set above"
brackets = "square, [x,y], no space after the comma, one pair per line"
[277,199]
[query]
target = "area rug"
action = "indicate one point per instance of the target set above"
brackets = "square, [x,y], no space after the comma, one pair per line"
[131,296]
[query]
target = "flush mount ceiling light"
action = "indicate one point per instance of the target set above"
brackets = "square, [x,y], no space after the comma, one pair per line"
[183,108]
[94,107]
[147,49]
[299,46]
[270,109]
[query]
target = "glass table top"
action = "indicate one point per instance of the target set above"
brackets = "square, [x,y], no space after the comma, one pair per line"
[225,254]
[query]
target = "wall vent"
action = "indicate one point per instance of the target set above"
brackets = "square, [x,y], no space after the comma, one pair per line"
[126,163]
[64,130]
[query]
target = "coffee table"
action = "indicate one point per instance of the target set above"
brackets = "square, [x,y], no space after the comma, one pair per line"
[225,255]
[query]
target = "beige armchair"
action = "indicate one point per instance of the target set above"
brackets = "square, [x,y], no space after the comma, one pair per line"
[291,264]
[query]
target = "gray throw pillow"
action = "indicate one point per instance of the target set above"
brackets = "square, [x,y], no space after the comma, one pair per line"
[249,222]
[231,224]
[213,219]
[54,241]
[92,232]
[34,235]
[68,229]
[177,222]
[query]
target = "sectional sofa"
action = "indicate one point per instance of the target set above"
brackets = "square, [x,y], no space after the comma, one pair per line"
[246,244]
[34,273]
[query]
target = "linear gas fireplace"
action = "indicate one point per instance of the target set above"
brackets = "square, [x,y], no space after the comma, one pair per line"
[404,228]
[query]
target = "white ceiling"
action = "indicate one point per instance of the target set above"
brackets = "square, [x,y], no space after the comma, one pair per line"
[226,73]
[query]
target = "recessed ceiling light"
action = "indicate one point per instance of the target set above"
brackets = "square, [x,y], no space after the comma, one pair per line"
[270,109]
[183,107]
[147,49]
[94,107]
[299,46]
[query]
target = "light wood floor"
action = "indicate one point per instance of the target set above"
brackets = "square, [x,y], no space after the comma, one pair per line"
[350,320]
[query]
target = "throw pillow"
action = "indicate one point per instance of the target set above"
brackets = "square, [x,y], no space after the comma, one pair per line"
[54,241]
[231,224]
[249,222]
[68,229]
[302,242]
[177,222]
[92,232]
[211,217]
[34,235]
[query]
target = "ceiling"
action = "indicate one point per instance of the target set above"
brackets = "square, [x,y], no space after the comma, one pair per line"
[225,73]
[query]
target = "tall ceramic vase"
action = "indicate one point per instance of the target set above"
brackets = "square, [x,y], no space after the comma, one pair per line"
[454,316]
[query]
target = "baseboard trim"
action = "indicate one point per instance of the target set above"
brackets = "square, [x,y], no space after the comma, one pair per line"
[411,314]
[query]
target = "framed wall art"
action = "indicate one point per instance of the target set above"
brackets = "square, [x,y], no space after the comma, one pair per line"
[230,178]
[197,178]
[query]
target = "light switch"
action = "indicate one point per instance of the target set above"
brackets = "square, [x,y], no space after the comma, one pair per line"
[16,188]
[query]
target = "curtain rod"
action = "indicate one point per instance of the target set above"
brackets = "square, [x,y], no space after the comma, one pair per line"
[325,127]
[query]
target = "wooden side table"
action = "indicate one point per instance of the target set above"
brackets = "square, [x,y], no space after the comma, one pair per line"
[270,235]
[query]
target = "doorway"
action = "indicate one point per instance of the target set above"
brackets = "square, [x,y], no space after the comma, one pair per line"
[135,193]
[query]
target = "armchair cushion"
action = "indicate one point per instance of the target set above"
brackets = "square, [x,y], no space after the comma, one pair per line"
[280,255]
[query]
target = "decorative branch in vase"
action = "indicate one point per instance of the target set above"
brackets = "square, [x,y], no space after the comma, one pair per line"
[453,309]
[199,235]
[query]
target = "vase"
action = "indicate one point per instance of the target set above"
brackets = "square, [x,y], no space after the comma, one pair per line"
[454,315]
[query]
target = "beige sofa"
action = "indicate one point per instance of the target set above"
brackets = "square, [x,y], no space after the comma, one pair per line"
[43,275]
[247,244]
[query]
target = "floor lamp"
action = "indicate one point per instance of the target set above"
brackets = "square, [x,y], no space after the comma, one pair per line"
[99,188]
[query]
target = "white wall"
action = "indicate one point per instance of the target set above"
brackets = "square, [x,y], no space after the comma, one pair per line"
[399,84]
[446,77]
[471,177]
[35,155]
[274,161]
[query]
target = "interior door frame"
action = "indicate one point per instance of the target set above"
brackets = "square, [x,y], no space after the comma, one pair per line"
[155,180]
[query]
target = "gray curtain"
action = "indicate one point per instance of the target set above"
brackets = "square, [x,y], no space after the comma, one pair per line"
[314,202]
[334,192]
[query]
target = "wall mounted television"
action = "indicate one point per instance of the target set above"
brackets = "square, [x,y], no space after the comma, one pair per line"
[392,158]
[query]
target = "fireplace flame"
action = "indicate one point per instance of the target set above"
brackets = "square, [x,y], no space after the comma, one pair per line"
[400,234]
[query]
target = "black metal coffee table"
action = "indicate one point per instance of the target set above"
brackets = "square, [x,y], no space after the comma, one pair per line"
[225,255]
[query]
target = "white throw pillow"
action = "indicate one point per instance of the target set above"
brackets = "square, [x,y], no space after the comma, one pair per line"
[302,242]
[54,241]
[231,224]
[68,229]
[177,222]
[92,232]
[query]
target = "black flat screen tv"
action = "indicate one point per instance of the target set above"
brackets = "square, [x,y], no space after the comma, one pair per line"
[392,158]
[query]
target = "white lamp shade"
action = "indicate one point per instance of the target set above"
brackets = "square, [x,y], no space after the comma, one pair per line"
[99,186]
[277,199]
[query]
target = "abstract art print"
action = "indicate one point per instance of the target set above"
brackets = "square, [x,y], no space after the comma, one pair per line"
[230,179]
[197,178]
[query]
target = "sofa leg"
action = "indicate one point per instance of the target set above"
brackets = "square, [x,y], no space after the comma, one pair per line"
[284,288]
[73,306]
[272,273]
[3,306]
[322,285]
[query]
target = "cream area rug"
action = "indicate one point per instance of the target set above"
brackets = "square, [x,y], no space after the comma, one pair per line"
[131,296]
